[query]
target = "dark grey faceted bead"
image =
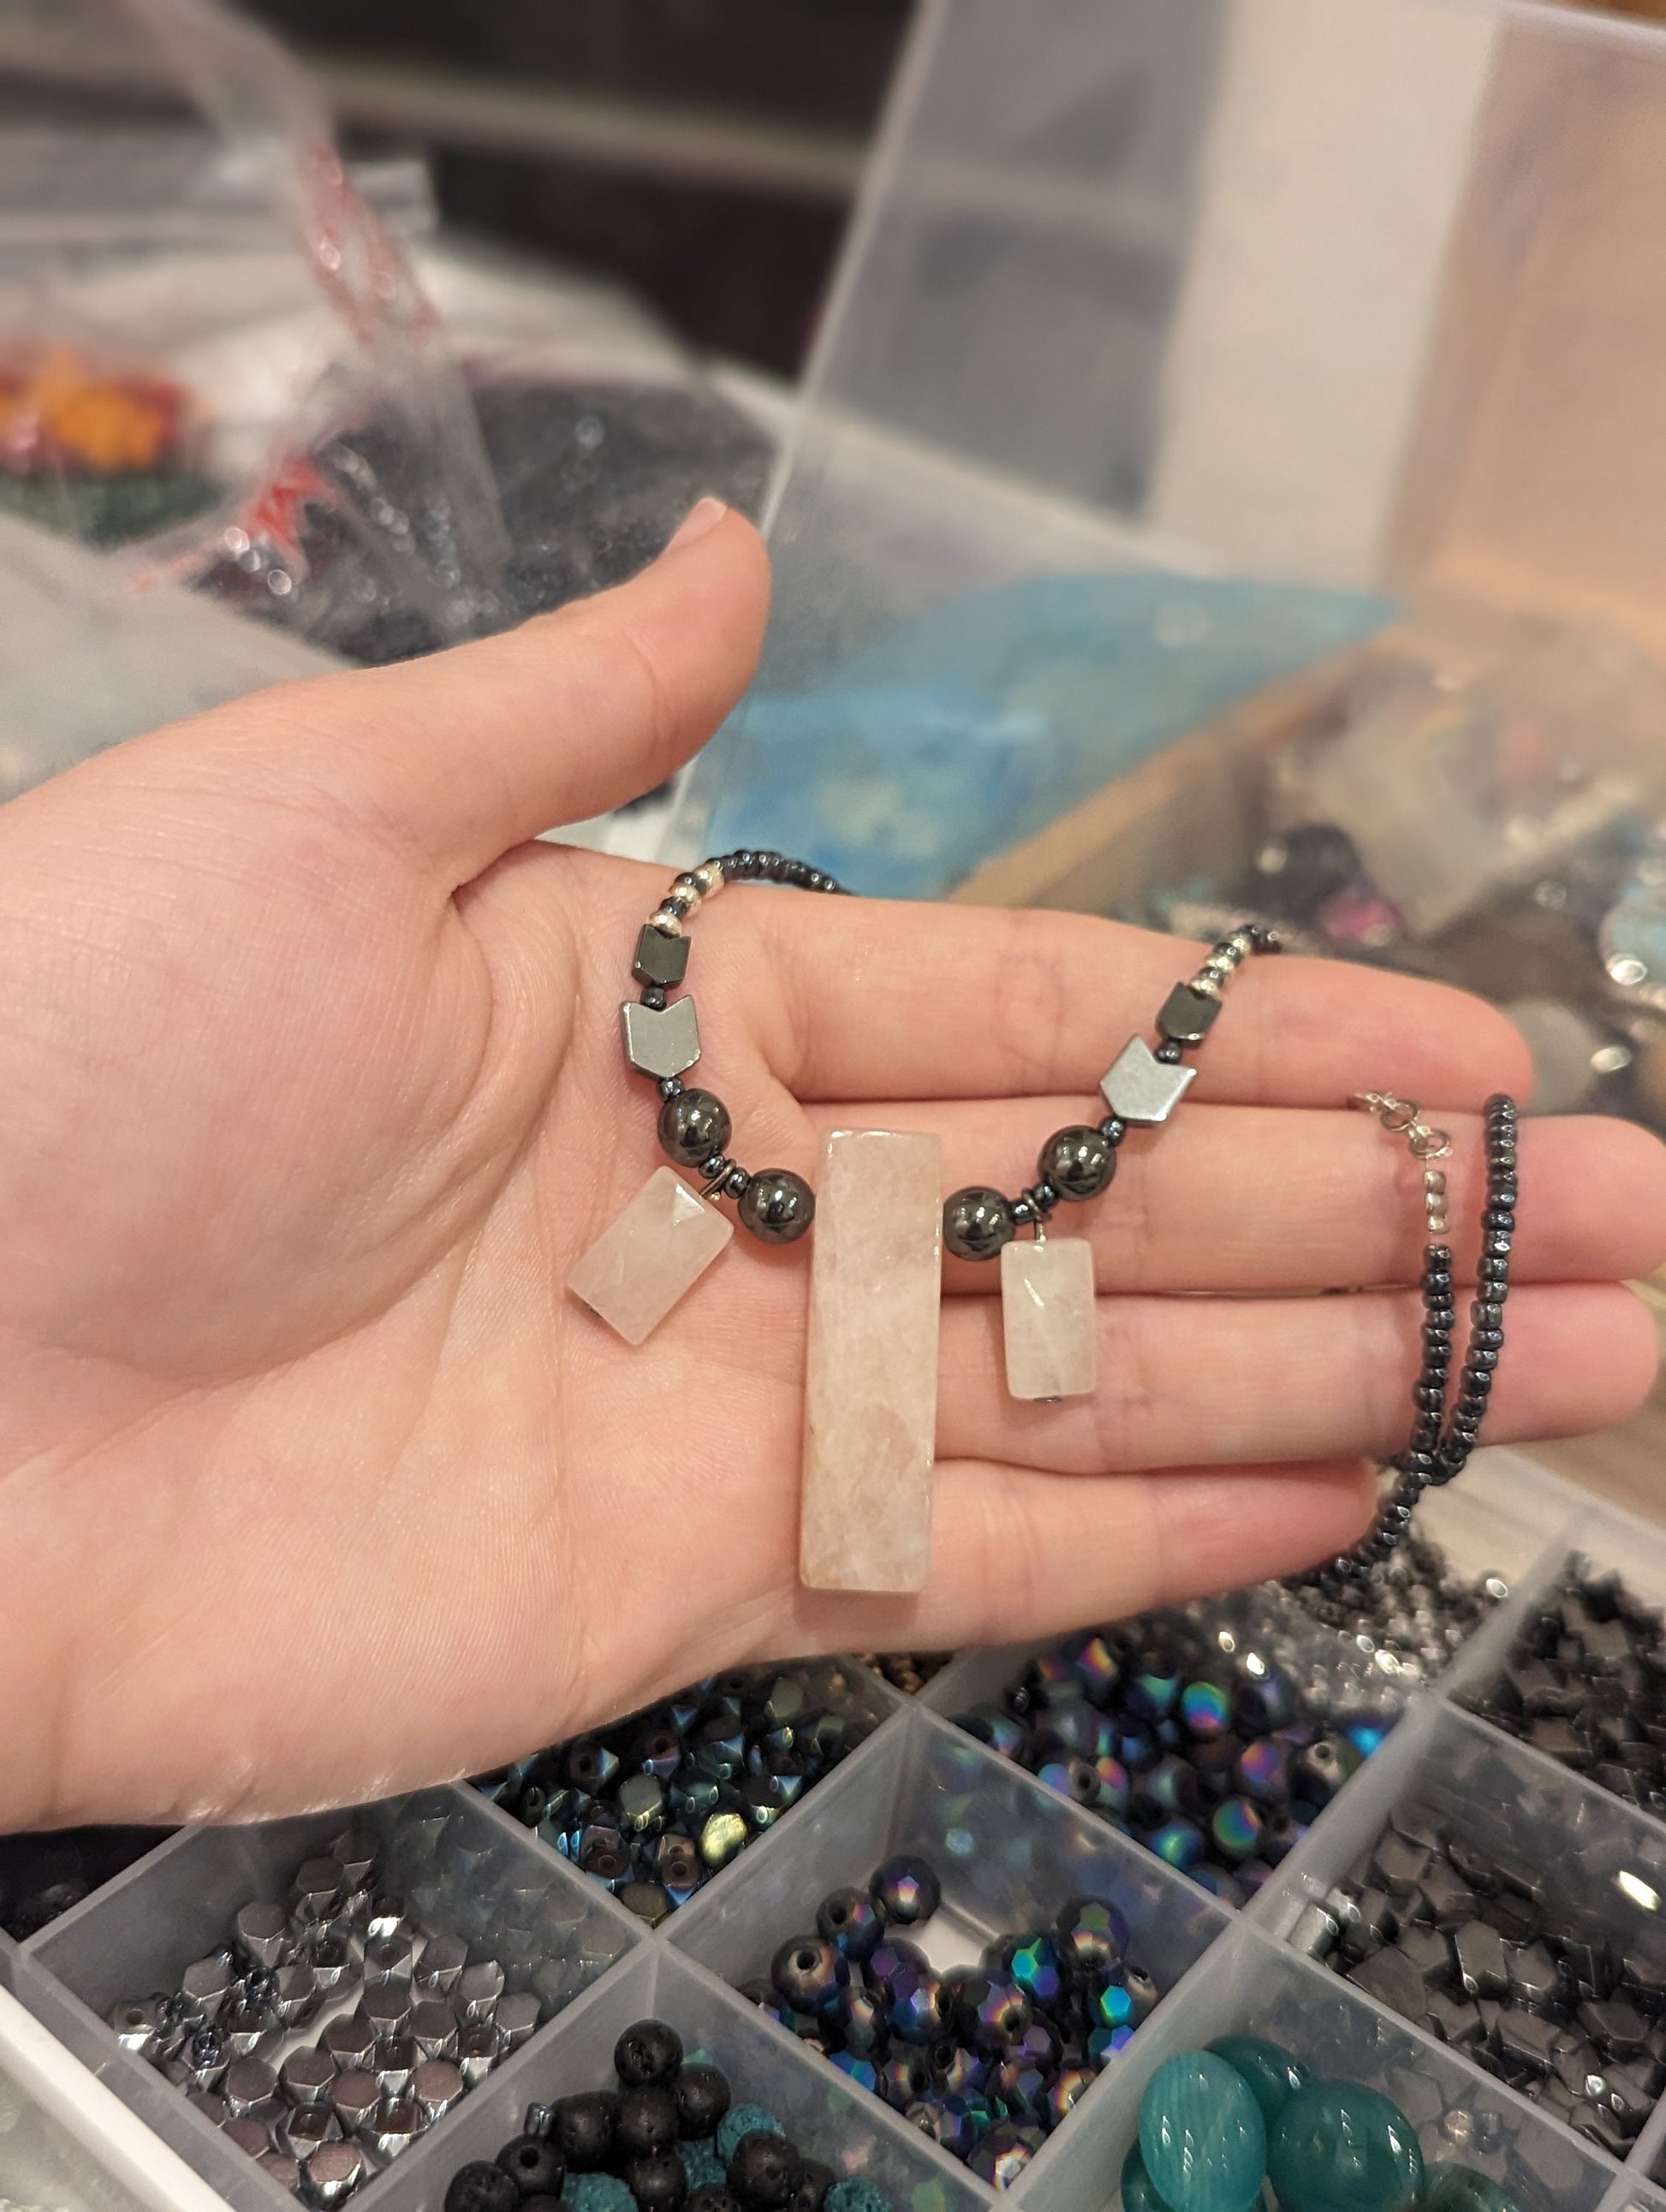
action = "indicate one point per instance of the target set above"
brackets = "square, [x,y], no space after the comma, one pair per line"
[777,1207]
[976,1223]
[1389,1977]
[1187,1016]
[660,958]
[692,1127]
[1479,1955]
[1079,1162]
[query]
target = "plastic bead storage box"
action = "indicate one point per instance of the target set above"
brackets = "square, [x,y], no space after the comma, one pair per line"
[566,1966]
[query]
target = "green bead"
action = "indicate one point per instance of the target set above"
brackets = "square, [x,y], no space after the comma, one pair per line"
[1460,2189]
[700,2162]
[1274,2075]
[1202,2135]
[857,2196]
[1338,2148]
[1139,2189]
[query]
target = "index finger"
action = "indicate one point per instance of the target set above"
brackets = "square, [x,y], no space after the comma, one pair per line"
[882,999]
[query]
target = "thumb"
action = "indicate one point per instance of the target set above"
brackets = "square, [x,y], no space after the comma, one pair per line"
[467,753]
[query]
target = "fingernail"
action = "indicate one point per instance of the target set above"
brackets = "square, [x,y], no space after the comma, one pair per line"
[702,518]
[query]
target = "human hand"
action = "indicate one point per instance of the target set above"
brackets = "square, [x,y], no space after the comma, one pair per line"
[313,1482]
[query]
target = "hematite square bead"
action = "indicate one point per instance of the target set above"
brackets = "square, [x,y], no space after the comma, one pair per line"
[1187,1015]
[661,1040]
[1139,1087]
[660,958]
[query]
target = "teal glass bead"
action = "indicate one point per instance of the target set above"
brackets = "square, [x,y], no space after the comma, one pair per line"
[1139,2189]
[1273,2074]
[1460,2189]
[744,2120]
[1202,2135]
[1340,2148]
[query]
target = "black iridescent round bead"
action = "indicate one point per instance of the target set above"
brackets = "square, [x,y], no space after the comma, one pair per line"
[1077,1162]
[809,1974]
[852,1922]
[976,1222]
[906,1890]
[778,1207]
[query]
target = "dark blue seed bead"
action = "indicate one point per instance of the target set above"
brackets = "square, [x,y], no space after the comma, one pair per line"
[1168,1053]
[1113,1128]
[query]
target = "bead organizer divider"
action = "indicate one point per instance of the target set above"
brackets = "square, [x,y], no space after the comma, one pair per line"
[1503,1510]
[465,1869]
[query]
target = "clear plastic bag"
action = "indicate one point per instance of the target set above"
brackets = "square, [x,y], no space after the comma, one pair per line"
[129,257]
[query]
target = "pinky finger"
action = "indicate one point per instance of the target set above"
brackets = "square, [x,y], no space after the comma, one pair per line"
[1018,1554]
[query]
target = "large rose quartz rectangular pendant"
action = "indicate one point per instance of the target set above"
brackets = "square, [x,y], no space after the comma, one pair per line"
[1047,1312]
[635,1272]
[870,1393]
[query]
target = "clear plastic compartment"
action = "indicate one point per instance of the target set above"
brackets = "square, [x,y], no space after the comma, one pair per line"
[459,1865]
[1008,1853]
[824,2114]
[1252,1986]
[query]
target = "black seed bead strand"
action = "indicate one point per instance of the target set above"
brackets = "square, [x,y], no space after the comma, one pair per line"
[1072,1167]
[775,1206]
[1439,1449]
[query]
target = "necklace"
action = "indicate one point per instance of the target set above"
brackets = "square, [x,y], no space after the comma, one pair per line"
[870,1360]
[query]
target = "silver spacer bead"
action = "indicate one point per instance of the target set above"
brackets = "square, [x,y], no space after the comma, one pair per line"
[710,877]
[668,925]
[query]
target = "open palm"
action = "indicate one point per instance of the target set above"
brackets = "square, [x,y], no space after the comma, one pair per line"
[315,1483]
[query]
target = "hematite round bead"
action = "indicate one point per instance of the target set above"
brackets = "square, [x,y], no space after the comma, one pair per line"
[778,1207]
[976,1223]
[1079,1162]
[693,1125]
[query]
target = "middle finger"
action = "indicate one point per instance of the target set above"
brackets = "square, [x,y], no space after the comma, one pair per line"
[1254,1198]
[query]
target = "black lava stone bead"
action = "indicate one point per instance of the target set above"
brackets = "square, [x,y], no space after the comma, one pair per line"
[646,2121]
[482,2188]
[649,2052]
[1079,1162]
[703,2098]
[815,2179]
[763,2171]
[713,2197]
[583,2129]
[976,1223]
[692,1127]
[777,1207]
[534,2165]
[659,2184]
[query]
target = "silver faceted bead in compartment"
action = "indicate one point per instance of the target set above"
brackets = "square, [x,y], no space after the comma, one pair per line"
[388,1958]
[397,2126]
[305,2077]
[205,1982]
[395,2062]
[247,2028]
[294,1994]
[434,2028]
[250,2136]
[138,2024]
[479,2047]
[334,2172]
[387,2008]
[478,1990]
[436,2085]
[354,2099]
[350,2041]
[263,1935]
[317,1891]
[250,2090]
[283,2170]
[516,2018]
[661,1040]
[304,2133]
[443,1958]
[332,1963]
[354,1853]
